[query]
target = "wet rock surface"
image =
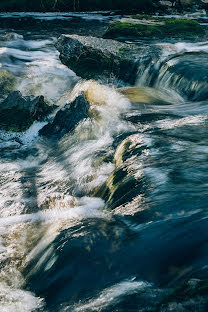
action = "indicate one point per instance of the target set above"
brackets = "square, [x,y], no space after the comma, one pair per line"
[67,118]
[124,185]
[91,57]
[18,112]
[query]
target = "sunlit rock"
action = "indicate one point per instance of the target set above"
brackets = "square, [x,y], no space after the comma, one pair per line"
[127,180]
[145,95]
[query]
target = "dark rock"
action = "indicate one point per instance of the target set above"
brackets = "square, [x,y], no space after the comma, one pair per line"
[17,112]
[91,57]
[67,118]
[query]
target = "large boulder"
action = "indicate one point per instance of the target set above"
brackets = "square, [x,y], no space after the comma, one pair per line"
[67,118]
[18,112]
[91,57]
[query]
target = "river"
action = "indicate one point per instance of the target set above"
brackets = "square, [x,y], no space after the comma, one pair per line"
[64,246]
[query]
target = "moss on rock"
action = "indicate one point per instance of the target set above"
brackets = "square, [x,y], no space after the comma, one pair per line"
[142,26]
[7,82]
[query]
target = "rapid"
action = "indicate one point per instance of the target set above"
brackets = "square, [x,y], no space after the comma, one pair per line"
[113,216]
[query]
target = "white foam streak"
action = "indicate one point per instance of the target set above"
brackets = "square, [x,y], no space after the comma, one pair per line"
[191,120]
[91,208]
[50,16]
[112,295]
[37,67]
[183,47]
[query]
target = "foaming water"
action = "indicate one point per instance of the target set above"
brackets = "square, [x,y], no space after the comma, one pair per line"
[91,209]
[42,180]
[18,300]
[177,70]
[181,47]
[57,15]
[37,66]
[112,295]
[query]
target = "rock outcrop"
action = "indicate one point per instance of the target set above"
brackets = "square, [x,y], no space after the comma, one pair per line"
[67,118]
[145,26]
[94,58]
[18,112]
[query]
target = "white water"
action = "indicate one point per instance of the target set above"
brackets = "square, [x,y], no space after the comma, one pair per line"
[37,67]
[73,164]
[111,295]
[57,15]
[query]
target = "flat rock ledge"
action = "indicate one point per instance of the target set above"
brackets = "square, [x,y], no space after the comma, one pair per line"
[97,58]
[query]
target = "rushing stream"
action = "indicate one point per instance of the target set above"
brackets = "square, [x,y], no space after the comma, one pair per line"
[64,246]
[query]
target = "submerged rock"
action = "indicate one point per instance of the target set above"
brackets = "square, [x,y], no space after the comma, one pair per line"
[145,95]
[91,57]
[69,267]
[127,181]
[18,112]
[67,118]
